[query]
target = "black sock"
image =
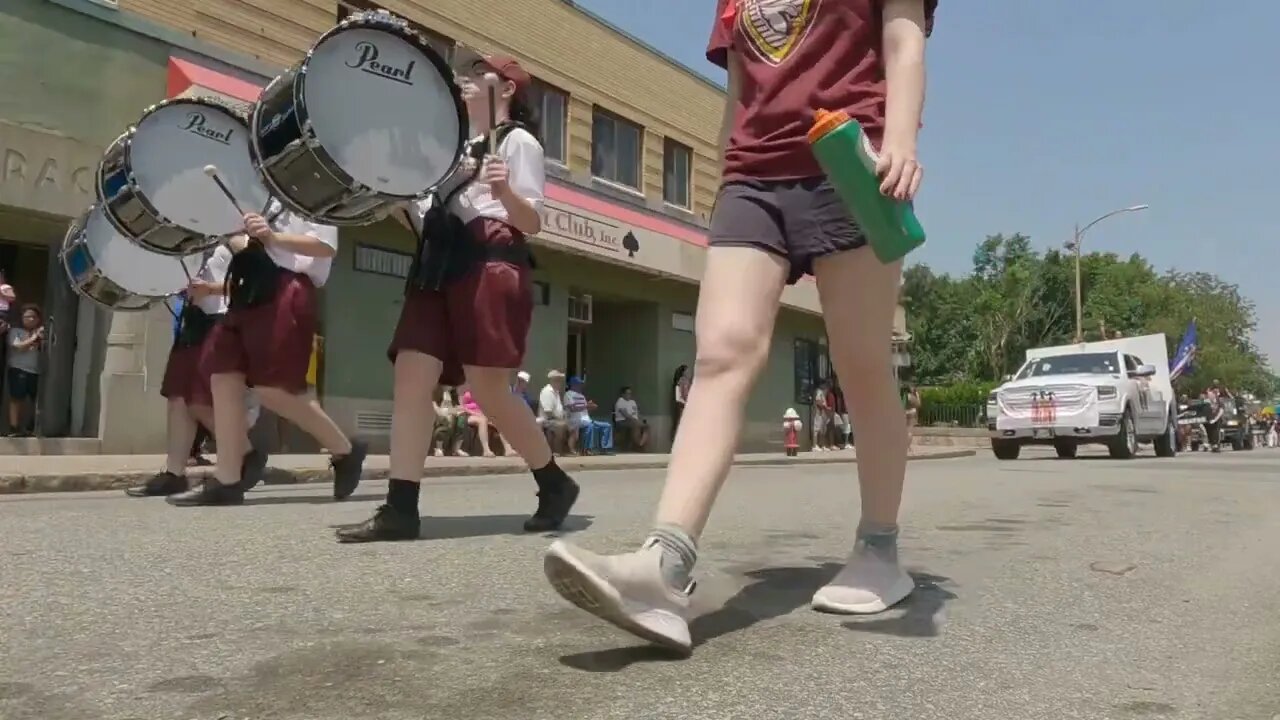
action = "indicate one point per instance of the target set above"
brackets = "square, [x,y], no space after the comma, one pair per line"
[402,496]
[549,476]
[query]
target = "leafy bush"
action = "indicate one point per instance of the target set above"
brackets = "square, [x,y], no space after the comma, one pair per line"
[958,394]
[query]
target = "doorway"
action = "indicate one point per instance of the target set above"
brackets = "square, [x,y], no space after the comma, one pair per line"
[25,268]
[575,352]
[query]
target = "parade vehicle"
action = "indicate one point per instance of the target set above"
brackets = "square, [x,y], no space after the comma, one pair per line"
[1115,393]
[1237,425]
[1193,417]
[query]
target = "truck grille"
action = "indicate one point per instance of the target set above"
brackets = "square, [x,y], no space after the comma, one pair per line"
[1058,399]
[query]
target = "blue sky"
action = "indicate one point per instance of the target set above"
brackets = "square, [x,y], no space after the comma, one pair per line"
[1046,113]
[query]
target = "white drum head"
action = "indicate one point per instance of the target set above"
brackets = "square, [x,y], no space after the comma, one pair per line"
[383,111]
[133,267]
[169,152]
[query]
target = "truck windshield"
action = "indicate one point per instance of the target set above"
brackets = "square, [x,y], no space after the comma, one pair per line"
[1086,364]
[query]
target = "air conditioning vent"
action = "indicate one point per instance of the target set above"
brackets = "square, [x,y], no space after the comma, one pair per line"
[580,309]
[373,422]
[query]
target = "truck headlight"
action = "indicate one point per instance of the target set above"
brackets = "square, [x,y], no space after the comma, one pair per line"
[1106,392]
[991,399]
[1233,423]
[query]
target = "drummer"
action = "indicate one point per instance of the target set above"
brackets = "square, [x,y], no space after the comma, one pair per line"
[265,343]
[186,387]
[471,320]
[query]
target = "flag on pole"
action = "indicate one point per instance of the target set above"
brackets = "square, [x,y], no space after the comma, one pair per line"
[1186,354]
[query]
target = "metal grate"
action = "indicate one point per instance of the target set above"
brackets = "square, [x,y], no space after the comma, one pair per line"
[373,422]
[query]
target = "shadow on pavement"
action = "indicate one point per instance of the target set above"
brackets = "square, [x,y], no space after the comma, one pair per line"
[325,498]
[919,616]
[457,527]
[772,592]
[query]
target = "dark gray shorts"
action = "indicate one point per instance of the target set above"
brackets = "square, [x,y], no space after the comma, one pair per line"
[798,220]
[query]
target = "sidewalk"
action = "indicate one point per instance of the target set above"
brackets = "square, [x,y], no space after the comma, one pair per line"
[70,473]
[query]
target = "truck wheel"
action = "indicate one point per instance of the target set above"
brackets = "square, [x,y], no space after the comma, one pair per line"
[1167,443]
[1125,444]
[1066,450]
[1006,449]
[1249,442]
[1237,443]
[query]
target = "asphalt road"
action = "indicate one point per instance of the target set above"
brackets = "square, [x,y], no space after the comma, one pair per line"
[1047,589]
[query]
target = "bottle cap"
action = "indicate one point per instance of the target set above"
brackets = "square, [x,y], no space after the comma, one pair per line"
[825,121]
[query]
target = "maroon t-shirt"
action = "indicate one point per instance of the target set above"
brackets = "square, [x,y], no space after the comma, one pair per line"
[798,56]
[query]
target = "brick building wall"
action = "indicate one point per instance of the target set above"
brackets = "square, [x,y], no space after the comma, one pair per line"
[594,64]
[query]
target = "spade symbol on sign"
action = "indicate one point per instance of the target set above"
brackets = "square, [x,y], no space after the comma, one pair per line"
[630,244]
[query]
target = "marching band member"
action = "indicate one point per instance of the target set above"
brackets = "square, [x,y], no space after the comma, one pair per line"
[186,386]
[468,309]
[776,219]
[265,342]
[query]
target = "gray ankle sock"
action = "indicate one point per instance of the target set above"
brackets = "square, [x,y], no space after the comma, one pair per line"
[679,553]
[880,539]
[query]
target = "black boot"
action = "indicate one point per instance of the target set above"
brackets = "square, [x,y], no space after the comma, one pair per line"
[386,525]
[210,492]
[557,492]
[252,469]
[347,470]
[159,485]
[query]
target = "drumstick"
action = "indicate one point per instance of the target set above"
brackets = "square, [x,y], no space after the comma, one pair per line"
[212,172]
[491,79]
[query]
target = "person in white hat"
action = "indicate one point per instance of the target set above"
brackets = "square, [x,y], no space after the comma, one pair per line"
[521,389]
[551,414]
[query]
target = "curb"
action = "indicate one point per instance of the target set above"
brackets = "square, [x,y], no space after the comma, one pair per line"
[89,482]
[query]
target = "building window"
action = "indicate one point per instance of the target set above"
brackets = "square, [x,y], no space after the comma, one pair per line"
[615,149]
[440,43]
[676,161]
[552,105]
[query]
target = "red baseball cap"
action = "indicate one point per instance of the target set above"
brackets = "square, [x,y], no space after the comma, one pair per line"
[508,69]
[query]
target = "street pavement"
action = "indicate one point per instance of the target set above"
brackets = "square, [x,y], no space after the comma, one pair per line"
[1046,589]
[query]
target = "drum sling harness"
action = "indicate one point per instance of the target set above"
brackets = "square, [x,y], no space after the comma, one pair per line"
[447,251]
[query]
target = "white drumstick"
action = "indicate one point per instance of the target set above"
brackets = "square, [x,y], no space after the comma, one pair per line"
[212,172]
[492,80]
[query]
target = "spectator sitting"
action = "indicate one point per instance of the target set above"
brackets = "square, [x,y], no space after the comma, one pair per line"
[595,434]
[551,414]
[446,436]
[626,415]
[476,419]
[521,388]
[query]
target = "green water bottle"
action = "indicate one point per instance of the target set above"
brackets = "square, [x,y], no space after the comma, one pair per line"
[846,156]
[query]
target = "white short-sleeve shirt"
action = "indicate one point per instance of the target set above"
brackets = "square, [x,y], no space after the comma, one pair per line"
[290,223]
[527,175]
[215,271]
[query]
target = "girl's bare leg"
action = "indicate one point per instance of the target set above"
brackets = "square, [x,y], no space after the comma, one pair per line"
[412,414]
[520,430]
[737,307]
[859,295]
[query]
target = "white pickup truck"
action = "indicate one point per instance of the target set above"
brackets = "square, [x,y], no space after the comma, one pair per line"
[1115,393]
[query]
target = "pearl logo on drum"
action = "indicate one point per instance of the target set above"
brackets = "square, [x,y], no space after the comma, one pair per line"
[196,125]
[367,62]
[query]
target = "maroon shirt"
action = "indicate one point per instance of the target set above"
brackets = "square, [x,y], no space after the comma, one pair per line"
[798,56]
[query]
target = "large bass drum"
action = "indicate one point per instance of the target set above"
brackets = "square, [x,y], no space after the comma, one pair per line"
[116,273]
[371,116]
[152,183]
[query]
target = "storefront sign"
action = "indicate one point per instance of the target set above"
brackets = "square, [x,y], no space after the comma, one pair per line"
[563,223]
[45,172]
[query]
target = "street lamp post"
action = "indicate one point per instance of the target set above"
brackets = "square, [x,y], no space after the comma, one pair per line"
[1074,246]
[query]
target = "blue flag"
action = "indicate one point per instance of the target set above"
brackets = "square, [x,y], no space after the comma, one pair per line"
[1186,353]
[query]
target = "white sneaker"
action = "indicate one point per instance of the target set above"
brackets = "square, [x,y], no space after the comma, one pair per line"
[627,590]
[871,582]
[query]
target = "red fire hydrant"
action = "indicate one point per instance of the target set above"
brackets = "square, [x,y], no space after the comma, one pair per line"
[791,427]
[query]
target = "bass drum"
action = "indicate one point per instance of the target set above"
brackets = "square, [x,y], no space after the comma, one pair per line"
[152,183]
[116,273]
[371,116]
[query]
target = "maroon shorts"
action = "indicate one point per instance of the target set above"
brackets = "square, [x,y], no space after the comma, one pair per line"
[180,372]
[270,344]
[798,220]
[481,319]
